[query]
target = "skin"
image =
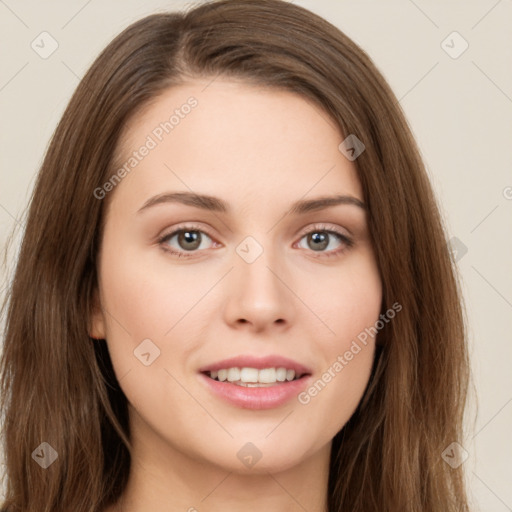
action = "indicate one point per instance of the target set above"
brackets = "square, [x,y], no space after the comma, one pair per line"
[258,149]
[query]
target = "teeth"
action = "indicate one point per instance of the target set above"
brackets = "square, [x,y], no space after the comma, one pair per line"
[281,374]
[267,375]
[251,377]
[252,384]
[233,374]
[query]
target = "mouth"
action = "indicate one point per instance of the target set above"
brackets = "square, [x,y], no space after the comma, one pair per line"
[256,382]
[255,388]
[255,377]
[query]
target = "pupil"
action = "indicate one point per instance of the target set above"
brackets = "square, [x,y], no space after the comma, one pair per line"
[321,240]
[189,240]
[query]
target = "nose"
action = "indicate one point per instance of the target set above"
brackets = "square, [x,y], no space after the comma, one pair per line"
[259,295]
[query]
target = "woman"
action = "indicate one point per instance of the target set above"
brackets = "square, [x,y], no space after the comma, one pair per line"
[234,288]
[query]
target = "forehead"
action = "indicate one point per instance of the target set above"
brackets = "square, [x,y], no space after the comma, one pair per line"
[248,141]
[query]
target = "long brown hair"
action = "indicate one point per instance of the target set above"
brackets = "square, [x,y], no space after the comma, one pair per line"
[58,385]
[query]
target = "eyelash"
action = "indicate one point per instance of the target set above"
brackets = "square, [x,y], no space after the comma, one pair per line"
[319,228]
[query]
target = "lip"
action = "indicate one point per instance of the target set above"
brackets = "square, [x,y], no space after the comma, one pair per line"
[248,361]
[257,398]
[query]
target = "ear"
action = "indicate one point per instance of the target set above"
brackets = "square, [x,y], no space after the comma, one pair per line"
[97,318]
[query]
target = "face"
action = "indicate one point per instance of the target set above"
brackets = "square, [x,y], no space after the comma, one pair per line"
[185,284]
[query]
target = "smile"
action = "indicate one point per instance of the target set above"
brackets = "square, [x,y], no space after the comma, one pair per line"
[254,377]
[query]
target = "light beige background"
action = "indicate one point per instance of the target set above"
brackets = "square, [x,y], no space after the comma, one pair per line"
[460,110]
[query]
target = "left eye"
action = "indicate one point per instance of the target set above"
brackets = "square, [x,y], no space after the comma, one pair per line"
[319,239]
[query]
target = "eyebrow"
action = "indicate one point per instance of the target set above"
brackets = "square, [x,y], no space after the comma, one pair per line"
[215,204]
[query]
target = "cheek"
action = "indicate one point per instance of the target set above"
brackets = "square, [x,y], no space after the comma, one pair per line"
[350,309]
[144,301]
[355,313]
[148,298]
[150,335]
[347,300]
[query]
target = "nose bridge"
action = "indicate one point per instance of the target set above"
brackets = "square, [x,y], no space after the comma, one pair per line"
[258,293]
[258,265]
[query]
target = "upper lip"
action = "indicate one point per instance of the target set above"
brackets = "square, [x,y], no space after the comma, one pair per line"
[248,361]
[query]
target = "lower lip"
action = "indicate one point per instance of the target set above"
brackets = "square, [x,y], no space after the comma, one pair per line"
[257,398]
